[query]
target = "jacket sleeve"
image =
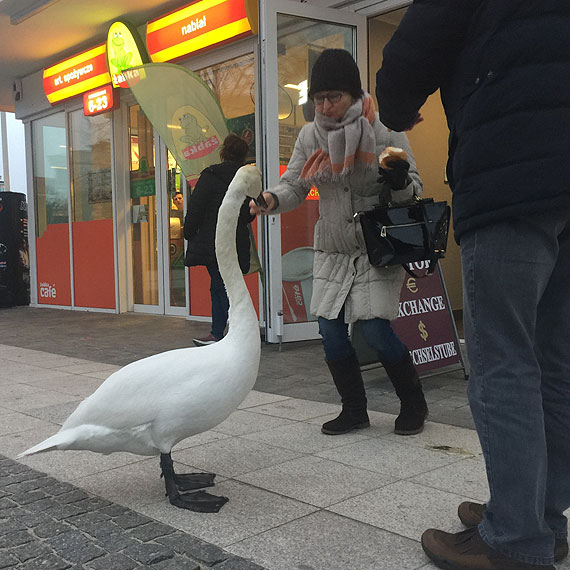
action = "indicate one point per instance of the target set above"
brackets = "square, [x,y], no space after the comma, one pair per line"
[199,202]
[291,191]
[420,57]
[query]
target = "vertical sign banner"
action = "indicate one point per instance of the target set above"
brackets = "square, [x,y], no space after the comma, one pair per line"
[75,75]
[184,111]
[424,324]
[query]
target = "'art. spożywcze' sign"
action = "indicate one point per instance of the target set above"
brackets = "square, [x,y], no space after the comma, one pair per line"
[76,75]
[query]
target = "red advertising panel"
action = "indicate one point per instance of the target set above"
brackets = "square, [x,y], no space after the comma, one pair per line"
[54,276]
[99,101]
[75,75]
[424,324]
[297,227]
[196,27]
[94,264]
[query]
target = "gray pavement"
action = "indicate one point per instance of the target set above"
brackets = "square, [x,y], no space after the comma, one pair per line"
[299,500]
[297,370]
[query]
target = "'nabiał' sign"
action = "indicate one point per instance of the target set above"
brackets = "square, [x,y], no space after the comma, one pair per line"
[196,27]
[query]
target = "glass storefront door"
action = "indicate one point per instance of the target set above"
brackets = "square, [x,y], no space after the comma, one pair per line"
[293,37]
[156,202]
[145,272]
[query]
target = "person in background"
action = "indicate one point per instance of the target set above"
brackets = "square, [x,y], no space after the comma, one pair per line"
[178,201]
[503,67]
[338,153]
[200,229]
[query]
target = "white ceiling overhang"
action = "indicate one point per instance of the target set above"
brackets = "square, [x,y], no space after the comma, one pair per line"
[35,34]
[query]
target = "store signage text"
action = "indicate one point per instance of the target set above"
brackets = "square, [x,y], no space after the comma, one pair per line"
[99,101]
[76,75]
[203,148]
[47,291]
[196,27]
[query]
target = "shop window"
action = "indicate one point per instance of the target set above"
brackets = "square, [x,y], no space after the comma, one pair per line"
[51,200]
[300,41]
[233,83]
[92,210]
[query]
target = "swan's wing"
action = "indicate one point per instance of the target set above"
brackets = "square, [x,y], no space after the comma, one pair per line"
[161,385]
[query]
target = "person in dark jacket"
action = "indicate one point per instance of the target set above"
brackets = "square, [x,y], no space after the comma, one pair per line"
[200,229]
[503,67]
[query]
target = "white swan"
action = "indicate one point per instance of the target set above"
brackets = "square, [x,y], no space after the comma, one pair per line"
[151,404]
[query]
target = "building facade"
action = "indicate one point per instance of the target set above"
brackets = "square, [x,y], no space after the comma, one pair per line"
[105,227]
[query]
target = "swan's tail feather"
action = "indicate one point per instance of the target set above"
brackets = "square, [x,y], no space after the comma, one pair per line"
[60,440]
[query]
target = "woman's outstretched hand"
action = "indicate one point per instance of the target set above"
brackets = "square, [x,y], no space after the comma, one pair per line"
[255,209]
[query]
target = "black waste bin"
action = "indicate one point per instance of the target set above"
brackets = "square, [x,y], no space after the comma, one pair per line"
[14,254]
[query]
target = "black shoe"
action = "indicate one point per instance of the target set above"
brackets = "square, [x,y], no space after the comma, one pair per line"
[348,381]
[471,514]
[345,422]
[413,414]
[413,406]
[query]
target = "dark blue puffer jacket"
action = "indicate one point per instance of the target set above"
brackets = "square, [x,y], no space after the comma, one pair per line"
[503,67]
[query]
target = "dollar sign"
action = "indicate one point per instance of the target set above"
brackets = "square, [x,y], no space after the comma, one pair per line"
[423,332]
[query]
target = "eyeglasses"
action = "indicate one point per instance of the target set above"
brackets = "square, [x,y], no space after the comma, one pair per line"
[332,97]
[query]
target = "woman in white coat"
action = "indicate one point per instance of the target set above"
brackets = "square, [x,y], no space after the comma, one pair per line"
[338,153]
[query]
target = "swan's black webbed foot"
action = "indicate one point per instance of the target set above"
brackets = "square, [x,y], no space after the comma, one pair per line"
[191,481]
[200,501]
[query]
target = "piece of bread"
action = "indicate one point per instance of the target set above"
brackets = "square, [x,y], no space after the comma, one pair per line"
[391,154]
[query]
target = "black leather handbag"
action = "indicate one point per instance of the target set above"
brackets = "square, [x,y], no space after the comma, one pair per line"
[399,235]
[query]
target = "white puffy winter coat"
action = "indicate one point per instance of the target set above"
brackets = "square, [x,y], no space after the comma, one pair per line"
[342,274]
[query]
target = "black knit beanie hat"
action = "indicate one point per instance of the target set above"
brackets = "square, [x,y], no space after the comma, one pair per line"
[335,70]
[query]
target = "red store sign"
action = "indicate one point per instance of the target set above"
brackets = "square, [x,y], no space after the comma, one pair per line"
[196,27]
[75,75]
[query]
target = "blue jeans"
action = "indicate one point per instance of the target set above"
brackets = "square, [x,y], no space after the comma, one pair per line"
[516,286]
[377,332]
[220,302]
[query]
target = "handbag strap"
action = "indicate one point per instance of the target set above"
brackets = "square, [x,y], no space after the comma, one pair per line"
[433,259]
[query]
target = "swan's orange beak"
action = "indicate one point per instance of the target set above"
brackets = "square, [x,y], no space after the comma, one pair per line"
[260,202]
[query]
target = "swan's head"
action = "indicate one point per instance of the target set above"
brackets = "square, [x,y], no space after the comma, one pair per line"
[248,178]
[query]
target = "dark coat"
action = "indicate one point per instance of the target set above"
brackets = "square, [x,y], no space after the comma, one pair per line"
[202,216]
[503,67]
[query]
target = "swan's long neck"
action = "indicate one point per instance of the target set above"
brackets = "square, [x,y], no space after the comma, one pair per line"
[242,313]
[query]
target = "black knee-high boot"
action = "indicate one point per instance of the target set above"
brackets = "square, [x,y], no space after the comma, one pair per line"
[348,381]
[413,406]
